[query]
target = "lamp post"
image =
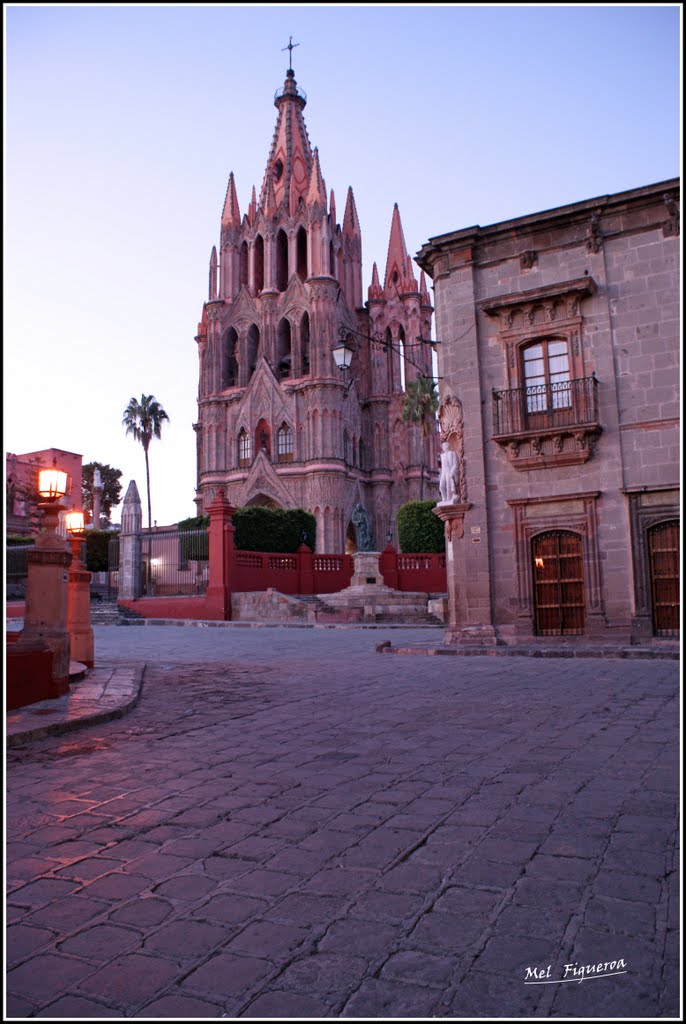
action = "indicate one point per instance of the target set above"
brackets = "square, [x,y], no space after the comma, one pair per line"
[45,618]
[79,598]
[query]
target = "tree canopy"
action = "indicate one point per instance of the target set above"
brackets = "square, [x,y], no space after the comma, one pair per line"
[111,488]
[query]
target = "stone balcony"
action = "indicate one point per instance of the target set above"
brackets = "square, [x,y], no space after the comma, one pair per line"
[548,424]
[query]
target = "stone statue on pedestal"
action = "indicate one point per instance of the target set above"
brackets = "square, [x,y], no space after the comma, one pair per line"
[363,534]
[449,482]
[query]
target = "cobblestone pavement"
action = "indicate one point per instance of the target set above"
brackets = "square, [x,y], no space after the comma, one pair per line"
[289,824]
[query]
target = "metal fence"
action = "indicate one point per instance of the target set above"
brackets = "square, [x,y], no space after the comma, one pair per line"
[545,406]
[17,570]
[174,563]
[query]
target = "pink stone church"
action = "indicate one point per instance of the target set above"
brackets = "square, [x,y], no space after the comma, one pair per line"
[279,424]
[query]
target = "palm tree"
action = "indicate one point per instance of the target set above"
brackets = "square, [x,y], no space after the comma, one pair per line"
[144,421]
[419,406]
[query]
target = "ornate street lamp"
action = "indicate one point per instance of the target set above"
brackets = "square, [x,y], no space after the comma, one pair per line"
[345,348]
[53,483]
[78,617]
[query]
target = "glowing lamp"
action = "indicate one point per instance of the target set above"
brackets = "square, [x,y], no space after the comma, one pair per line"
[53,483]
[343,354]
[74,522]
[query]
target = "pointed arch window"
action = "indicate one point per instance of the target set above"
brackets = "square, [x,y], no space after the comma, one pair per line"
[283,349]
[243,266]
[305,344]
[301,248]
[281,260]
[284,443]
[263,438]
[346,447]
[259,264]
[253,348]
[229,361]
[244,449]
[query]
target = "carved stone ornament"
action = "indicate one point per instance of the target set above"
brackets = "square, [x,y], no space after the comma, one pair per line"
[528,259]
[671,226]
[594,238]
[214,309]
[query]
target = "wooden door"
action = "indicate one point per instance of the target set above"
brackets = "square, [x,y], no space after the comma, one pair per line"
[663,553]
[558,575]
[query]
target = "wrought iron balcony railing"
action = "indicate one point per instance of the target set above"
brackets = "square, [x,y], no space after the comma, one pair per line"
[564,406]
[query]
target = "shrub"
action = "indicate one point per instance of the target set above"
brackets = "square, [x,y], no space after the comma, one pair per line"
[194,547]
[419,529]
[273,529]
[97,550]
[13,540]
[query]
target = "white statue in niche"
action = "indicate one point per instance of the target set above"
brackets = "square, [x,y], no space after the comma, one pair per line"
[452,481]
[449,482]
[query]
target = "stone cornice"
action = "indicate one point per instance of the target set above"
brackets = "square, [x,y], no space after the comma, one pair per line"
[581,287]
[649,195]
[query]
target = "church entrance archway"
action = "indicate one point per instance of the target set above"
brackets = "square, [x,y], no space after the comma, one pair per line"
[262,501]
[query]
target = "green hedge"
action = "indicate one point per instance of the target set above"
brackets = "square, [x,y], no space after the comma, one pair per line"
[13,540]
[97,550]
[419,529]
[194,548]
[256,529]
[273,529]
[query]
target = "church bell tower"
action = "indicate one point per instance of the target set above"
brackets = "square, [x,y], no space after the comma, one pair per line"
[278,423]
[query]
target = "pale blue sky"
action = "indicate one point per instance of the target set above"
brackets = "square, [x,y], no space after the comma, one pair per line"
[122,124]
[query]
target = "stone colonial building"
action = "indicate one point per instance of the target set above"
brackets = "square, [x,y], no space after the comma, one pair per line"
[278,423]
[560,351]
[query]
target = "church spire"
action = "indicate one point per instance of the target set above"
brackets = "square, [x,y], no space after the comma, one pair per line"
[290,156]
[317,190]
[351,224]
[397,253]
[231,217]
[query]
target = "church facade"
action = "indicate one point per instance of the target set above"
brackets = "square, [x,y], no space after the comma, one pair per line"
[278,423]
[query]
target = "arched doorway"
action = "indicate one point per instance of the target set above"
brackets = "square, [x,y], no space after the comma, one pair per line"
[663,557]
[558,577]
[262,501]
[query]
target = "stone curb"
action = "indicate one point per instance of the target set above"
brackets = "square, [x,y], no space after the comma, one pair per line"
[218,623]
[531,652]
[87,718]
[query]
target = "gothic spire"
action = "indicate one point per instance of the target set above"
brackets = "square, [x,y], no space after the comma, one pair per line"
[317,190]
[397,253]
[351,224]
[290,156]
[231,217]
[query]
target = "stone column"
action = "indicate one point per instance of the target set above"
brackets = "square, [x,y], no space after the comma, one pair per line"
[97,498]
[45,619]
[79,608]
[466,623]
[130,545]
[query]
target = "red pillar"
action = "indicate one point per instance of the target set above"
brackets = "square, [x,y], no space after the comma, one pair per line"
[305,570]
[388,563]
[218,596]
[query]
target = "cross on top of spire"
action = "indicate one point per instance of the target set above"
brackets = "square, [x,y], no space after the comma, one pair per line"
[291,46]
